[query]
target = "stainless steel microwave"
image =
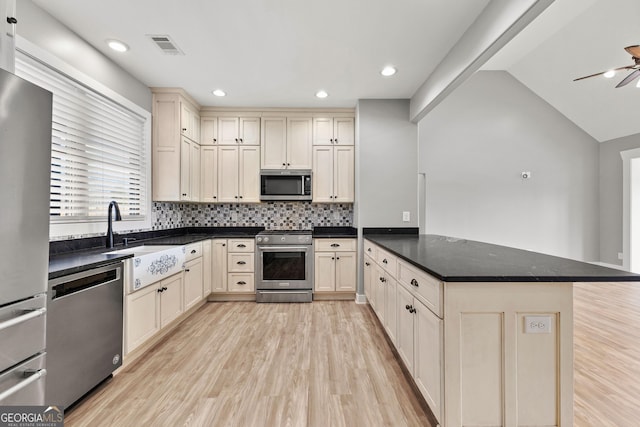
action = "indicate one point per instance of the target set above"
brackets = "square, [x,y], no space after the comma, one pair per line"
[285,184]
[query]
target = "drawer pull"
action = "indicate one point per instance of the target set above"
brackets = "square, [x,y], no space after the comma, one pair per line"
[335,245]
[242,282]
[368,249]
[242,245]
[193,251]
[415,283]
[407,307]
[241,262]
[367,264]
[384,261]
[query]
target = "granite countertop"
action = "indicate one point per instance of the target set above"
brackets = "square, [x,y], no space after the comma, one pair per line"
[65,264]
[460,260]
[334,232]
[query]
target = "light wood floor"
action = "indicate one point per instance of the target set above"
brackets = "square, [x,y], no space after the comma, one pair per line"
[607,354]
[246,364]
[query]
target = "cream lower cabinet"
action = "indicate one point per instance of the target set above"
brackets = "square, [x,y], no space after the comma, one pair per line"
[206,268]
[232,266]
[193,275]
[219,265]
[335,265]
[239,174]
[152,308]
[368,276]
[333,174]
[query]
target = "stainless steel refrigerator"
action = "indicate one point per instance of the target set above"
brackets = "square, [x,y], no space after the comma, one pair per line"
[25,169]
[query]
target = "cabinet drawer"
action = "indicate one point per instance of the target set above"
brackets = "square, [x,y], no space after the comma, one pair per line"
[387,261]
[335,245]
[241,245]
[241,282]
[370,249]
[193,251]
[240,262]
[425,287]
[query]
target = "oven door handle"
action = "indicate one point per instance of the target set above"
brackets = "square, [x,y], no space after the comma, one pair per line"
[284,248]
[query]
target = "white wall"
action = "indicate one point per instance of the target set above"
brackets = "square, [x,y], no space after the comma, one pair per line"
[386,164]
[473,148]
[41,29]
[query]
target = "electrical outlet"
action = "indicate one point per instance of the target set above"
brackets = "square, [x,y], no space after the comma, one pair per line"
[406,216]
[620,255]
[537,324]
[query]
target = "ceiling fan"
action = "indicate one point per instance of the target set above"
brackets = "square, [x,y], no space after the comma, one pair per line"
[634,51]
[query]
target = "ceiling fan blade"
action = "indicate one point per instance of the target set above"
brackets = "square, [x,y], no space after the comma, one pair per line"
[628,67]
[633,50]
[632,76]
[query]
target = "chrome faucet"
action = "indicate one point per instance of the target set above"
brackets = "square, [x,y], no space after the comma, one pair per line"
[113,204]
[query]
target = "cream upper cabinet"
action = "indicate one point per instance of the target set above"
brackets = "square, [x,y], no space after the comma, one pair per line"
[189,170]
[209,173]
[333,174]
[208,131]
[239,174]
[189,121]
[333,131]
[239,130]
[286,143]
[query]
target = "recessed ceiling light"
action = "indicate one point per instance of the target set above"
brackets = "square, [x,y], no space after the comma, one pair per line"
[117,45]
[219,92]
[609,74]
[322,94]
[388,71]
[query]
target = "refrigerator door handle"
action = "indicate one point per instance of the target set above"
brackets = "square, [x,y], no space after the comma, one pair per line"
[22,384]
[20,319]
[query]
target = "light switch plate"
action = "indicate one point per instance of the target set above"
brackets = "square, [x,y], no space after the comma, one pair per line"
[537,324]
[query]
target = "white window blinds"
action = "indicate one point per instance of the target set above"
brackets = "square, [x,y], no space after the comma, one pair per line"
[97,149]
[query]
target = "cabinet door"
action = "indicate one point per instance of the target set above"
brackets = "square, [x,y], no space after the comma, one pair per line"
[209,173]
[368,274]
[274,143]
[219,265]
[142,317]
[206,267]
[322,174]
[322,131]
[428,368]
[324,271]
[228,130]
[240,263]
[379,286]
[195,127]
[241,282]
[171,302]
[249,133]
[193,282]
[299,143]
[185,169]
[343,174]
[249,174]
[346,271]
[227,174]
[194,173]
[390,308]
[208,131]
[343,131]
[166,148]
[185,120]
[404,343]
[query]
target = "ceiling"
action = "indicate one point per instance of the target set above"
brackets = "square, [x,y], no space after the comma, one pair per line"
[279,53]
[276,53]
[571,39]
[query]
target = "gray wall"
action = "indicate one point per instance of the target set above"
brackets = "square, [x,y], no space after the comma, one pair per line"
[386,164]
[611,196]
[41,29]
[473,148]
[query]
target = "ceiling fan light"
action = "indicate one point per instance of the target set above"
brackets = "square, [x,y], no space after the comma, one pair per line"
[609,74]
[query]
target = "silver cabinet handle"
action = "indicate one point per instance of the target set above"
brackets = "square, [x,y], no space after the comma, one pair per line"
[22,384]
[23,318]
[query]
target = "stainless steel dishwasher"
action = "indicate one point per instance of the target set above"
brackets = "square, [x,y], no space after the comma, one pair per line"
[84,332]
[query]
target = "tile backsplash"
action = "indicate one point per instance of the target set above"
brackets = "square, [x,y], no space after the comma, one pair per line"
[271,215]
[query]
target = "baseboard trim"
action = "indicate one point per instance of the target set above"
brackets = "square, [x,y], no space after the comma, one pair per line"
[361,299]
[231,297]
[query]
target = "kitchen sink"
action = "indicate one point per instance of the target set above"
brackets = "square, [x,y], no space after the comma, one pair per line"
[150,264]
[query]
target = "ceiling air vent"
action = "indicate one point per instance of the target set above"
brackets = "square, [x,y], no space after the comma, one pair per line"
[166,45]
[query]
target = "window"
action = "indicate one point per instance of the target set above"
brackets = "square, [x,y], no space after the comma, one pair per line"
[100,150]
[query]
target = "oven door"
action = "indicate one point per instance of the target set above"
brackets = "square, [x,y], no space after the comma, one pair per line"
[285,267]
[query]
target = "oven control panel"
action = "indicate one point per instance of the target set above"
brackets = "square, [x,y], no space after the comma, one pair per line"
[285,239]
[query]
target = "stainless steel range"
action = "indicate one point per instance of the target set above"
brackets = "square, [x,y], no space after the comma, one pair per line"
[284,266]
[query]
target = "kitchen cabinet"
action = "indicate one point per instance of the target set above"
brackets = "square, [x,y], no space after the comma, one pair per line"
[219,265]
[152,308]
[206,267]
[368,275]
[209,174]
[404,341]
[7,36]
[333,174]
[239,174]
[428,356]
[239,130]
[286,143]
[172,148]
[240,265]
[335,265]
[208,130]
[333,131]
[193,275]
